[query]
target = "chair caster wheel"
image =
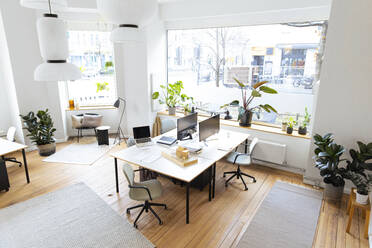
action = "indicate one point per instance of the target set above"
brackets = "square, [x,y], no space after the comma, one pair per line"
[246,189]
[224,175]
[160,222]
[226,185]
[254,180]
[135,226]
[165,207]
[128,212]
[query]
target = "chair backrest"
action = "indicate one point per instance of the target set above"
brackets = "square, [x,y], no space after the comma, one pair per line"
[252,145]
[129,173]
[11,134]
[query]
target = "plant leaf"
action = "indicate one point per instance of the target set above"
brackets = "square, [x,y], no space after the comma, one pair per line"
[259,84]
[268,90]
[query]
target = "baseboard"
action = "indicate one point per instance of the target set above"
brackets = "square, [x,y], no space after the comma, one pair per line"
[280,167]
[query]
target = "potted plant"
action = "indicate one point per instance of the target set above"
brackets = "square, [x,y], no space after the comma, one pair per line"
[171,96]
[355,171]
[187,103]
[245,110]
[290,124]
[302,129]
[327,160]
[41,130]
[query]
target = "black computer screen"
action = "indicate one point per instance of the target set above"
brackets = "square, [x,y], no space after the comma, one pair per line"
[141,132]
[187,122]
[209,127]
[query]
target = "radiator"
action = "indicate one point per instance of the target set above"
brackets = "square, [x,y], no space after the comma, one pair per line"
[270,152]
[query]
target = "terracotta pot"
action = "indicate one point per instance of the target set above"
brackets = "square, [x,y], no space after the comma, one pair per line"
[47,150]
[246,119]
[172,111]
[333,193]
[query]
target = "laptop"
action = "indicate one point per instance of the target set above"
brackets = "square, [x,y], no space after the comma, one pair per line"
[142,136]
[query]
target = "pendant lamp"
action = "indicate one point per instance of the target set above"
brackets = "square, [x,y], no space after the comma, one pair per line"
[52,34]
[129,15]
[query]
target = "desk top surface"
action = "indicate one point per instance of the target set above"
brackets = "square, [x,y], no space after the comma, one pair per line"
[213,150]
[7,147]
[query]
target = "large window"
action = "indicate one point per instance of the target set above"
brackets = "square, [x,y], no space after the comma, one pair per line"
[92,52]
[286,55]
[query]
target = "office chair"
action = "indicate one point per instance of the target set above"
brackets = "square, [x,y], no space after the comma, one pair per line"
[143,191]
[11,137]
[241,159]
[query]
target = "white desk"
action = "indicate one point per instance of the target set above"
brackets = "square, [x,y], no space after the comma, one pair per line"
[7,147]
[150,158]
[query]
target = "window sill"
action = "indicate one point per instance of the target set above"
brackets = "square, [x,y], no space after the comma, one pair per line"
[91,108]
[235,123]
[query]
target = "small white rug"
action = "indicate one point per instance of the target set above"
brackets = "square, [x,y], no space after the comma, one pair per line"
[85,153]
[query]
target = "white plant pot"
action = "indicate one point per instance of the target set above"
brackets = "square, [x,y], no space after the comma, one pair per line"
[361,199]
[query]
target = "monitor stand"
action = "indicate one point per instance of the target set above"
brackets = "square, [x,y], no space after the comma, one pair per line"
[185,136]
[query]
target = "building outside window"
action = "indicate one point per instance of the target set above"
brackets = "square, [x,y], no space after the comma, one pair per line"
[286,55]
[93,53]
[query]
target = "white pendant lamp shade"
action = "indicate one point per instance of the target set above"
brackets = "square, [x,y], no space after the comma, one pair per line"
[53,43]
[57,5]
[129,15]
[136,12]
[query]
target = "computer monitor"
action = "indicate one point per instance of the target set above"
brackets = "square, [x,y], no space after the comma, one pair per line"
[186,126]
[141,132]
[209,127]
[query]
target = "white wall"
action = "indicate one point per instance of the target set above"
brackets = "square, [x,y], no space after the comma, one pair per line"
[345,94]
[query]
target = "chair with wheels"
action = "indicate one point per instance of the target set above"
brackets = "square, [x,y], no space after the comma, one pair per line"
[241,159]
[11,137]
[146,191]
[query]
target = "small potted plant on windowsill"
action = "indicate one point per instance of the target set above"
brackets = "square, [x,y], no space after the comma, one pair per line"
[41,130]
[290,124]
[171,96]
[245,110]
[284,124]
[302,129]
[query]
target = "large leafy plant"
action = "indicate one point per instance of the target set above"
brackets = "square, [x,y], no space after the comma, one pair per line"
[255,91]
[327,160]
[40,127]
[355,170]
[171,94]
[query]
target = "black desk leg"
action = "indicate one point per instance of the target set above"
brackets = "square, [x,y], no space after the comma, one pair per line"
[214,179]
[187,202]
[210,170]
[25,164]
[116,175]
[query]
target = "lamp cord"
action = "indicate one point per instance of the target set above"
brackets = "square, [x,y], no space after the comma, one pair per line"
[50,7]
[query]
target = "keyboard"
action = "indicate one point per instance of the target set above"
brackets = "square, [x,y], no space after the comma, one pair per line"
[143,140]
[145,144]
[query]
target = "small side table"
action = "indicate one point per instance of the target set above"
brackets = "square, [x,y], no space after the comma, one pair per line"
[366,209]
[102,135]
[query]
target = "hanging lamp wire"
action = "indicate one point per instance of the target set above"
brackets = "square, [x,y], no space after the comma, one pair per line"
[50,7]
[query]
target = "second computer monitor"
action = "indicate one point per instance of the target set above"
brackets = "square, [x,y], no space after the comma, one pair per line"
[209,127]
[186,125]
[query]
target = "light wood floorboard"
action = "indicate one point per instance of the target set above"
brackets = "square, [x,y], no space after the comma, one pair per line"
[219,223]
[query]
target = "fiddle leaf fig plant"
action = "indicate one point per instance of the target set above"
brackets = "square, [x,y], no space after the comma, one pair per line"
[40,127]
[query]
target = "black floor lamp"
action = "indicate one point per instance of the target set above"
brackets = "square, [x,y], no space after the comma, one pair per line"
[120,134]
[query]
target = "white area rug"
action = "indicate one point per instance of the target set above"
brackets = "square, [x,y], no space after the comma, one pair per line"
[85,153]
[287,218]
[73,217]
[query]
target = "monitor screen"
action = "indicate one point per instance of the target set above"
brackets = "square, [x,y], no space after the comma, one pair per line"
[187,122]
[209,127]
[141,132]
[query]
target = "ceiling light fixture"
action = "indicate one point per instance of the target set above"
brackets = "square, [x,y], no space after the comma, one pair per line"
[129,15]
[52,34]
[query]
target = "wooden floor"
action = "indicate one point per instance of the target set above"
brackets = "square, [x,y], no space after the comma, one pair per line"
[219,223]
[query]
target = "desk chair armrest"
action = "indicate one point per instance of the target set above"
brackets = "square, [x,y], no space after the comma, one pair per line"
[141,187]
[240,154]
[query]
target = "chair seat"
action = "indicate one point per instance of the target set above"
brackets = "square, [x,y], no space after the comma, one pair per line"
[243,159]
[141,194]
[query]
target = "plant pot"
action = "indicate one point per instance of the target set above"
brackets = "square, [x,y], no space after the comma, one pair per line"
[333,193]
[246,119]
[47,150]
[289,130]
[284,127]
[302,130]
[361,199]
[172,110]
